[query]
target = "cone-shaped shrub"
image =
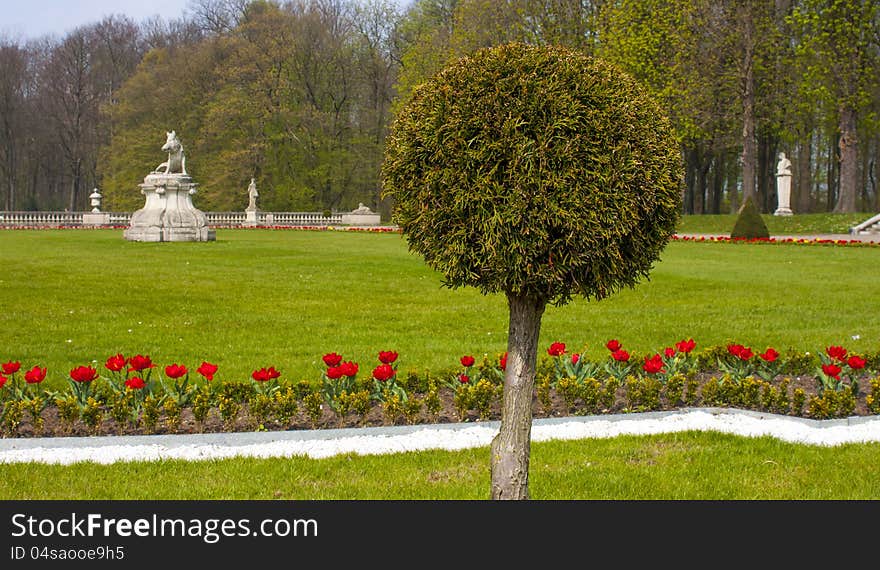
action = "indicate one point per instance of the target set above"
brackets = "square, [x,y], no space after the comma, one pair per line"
[749,224]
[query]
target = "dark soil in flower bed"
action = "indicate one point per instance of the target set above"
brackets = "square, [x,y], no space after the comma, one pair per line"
[625,400]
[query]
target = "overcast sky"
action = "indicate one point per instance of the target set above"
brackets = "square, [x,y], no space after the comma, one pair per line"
[26,19]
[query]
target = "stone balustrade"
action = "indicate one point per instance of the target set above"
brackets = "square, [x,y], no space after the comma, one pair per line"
[214,219]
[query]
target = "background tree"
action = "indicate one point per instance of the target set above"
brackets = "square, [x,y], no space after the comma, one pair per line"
[540,173]
[839,44]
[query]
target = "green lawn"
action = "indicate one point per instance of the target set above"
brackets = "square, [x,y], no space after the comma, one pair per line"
[257,298]
[678,466]
[800,224]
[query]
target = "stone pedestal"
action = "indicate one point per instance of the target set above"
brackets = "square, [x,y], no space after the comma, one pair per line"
[250,217]
[354,219]
[783,193]
[168,214]
[96,218]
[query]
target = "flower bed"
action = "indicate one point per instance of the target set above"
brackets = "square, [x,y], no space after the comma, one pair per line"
[133,395]
[777,241]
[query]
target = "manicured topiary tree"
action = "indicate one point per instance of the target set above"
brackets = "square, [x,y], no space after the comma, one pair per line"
[749,223]
[540,173]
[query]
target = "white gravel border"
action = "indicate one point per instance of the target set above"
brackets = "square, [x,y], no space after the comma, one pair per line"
[399,439]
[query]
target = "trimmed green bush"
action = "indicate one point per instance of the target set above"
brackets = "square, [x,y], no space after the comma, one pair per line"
[540,173]
[749,224]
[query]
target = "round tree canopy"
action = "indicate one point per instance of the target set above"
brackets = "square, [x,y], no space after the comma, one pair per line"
[534,170]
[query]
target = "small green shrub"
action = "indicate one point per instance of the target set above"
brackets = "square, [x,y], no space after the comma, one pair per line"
[314,404]
[261,407]
[202,403]
[872,399]
[798,400]
[570,391]
[412,407]
[284,405]
[68,412]
[433,405]
[228,406]
[172,409]
[483,393]
[796,363]
[392,407]
[151,410]
[463,401]
[643,393]
[832,404]
[13,413]
[591,395]
[35,406]
[775,399]
[674,390]
[92,414]
[609,394]
[543,386]
[749,224]
[692,389]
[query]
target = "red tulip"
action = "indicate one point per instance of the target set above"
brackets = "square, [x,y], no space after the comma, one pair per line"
[385,357]
[502,362]
[575,357]
[333,359]
[334,372]
[265,374]
[207,370]
[620,355]
[115,363]
[175,371]
[832,370]
[669,352]
[349,369]
[467,361]
[556,349]
[735,349]
[685,345]
[83,374]
[11,367]
[139,362]
[653,364]
[856,362]
[613,345]
[383,372]
[464,378]
[3,380]
[35,375]
[770,355]
[135,383]
[746,353]
[836,352]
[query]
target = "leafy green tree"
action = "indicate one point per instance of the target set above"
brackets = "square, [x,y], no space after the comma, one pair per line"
[839,43]
[539,173]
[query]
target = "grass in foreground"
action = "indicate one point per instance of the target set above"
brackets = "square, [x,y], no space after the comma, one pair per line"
[259,298]
[683,466]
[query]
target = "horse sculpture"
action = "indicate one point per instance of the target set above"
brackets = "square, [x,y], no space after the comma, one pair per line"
[176,162]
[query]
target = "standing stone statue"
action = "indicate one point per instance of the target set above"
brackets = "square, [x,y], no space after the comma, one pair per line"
[783,186]
[169,214]
[252,197]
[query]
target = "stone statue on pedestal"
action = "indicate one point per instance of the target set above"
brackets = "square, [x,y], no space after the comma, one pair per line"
[783,186]
[169,214]
[252,197]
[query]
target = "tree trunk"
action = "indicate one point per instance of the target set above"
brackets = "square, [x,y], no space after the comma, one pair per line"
[849,162]
[749,143]
[804,180]
[511,447]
